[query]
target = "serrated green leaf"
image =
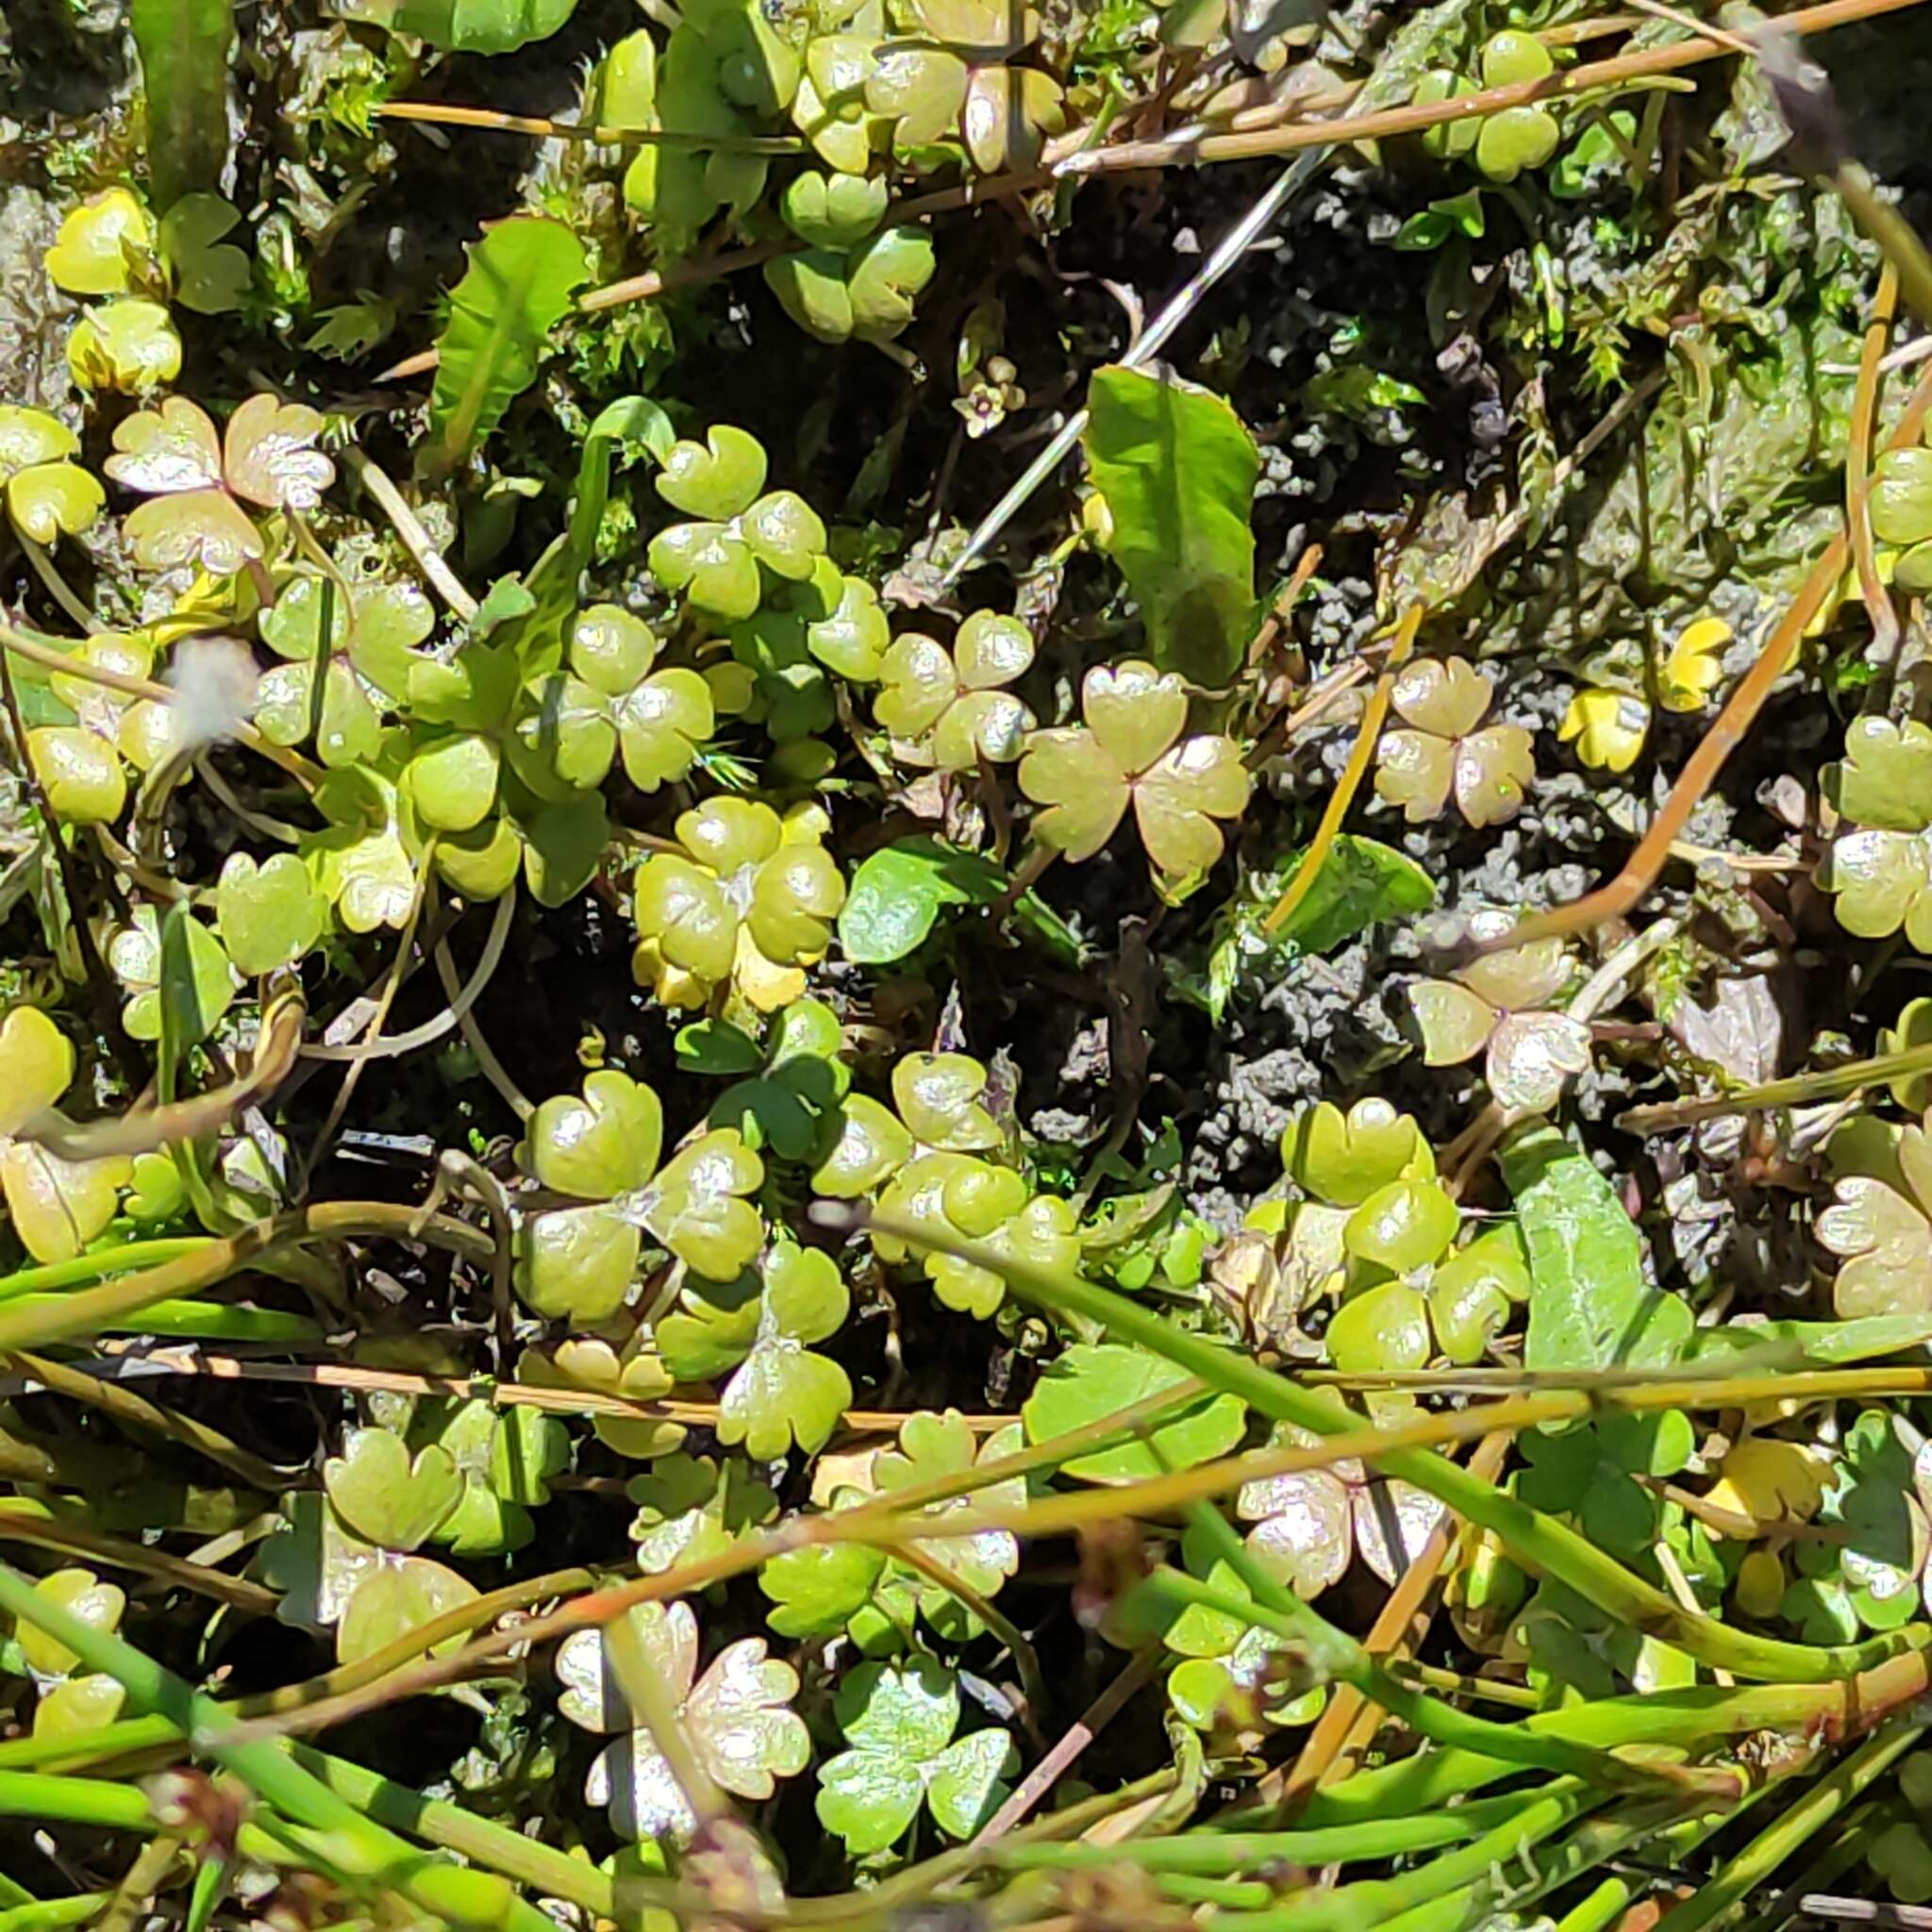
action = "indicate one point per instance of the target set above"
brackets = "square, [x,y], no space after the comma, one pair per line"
[519,285]
[1176,469]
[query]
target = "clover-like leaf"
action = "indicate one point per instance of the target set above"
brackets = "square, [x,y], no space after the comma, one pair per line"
[383,1496]
[1344,1158]
[746,865]
[952,707]
[716,479]
[698,1205]
[397,1595]
[695,1507]
[1883,1234]
[836,211]
[80,1594]
[933,1448]
[791,1102]
[46,493]
[1531,1057]
[1127,750]
[1443,703]
[1885,778]
[269,454]
[781,1392]
[165,450]
[600,1145]
[129,346]
[734,1717]
[1881,883]
[1304,1525]
[79,771]
[210,273]
[578,1263]
[899,1722]
[270,914]
[817,1590]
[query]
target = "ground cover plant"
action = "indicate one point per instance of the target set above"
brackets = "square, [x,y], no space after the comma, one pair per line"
[963,966]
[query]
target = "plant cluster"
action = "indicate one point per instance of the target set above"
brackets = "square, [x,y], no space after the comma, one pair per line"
[881,1093]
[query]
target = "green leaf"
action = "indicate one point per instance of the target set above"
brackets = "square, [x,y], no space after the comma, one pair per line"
[963,1788]
[817,1590]
[474,26]
[384,1496]
[270,914]
[898,893]
[1176,470]
[197,983]
[518,287]
[1089,1382]
[1589,1307]
[1362,883]
[899,1720]
[184,47]
[716,1046]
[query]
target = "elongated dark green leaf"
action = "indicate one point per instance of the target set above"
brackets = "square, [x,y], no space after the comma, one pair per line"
[900,890]
[1588,1306]
[1362,883]
[1177,471]
[184,47]
[521,277]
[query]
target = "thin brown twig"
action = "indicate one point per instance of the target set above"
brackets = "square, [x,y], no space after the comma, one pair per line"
[505,1394]
[1643,64]
[1038,1782]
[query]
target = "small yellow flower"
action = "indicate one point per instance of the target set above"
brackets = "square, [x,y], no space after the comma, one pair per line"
[1607,726]
[1691,670]
[128,346]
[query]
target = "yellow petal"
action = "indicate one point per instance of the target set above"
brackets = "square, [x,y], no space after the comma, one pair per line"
[1770,1481]
[1607,727]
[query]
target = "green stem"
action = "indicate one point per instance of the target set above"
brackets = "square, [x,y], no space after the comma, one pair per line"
[1538,1543]
[1597,1911]
[193,1320]
[1845,1851]
[1371,1902]
[55,1913]
[101,1263]
[1207,1854]
[95,1309]
[1799,1090]
[1697,1717]
[1336,1655]
[357,1847]
[1739,1876]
